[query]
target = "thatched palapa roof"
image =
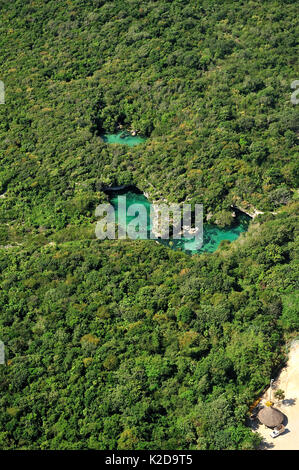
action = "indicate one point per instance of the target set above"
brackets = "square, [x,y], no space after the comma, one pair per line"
[271,417]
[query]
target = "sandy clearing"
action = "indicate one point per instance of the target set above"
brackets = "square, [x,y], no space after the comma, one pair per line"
[288,381]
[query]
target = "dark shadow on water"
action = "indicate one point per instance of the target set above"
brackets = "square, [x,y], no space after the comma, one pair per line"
[113,191]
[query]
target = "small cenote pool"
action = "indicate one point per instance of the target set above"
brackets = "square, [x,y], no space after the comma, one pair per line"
[212,234]
[123,138]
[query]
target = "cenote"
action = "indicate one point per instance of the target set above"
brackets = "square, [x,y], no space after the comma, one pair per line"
[212,234]
[123,138]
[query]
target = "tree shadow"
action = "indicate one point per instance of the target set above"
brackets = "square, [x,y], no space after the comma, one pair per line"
[253,423]
[289,401]
[266,445]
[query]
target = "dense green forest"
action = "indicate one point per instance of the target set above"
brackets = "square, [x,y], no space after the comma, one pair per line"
[130,345]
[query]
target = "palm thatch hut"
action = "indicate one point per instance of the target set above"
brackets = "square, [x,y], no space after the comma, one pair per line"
[270,416]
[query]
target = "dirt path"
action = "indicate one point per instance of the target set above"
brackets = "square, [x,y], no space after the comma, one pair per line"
[288,381]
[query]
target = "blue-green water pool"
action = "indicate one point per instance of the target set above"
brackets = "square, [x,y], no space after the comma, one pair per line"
[123,139]
[212,234]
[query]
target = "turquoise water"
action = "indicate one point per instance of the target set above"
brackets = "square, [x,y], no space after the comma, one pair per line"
[213,234]
[126,140]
